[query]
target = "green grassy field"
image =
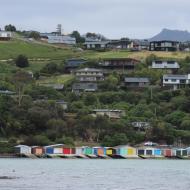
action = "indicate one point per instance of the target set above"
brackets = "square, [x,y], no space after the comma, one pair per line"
[11,49]
[60,79]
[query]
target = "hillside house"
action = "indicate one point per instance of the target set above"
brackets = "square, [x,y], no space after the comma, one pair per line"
[96,45]
[60,39]
[164,46]
[137,82]
[166,65]
[89,75]
[140,125]
[176,81]
[118,63]
[72,64]
[120,44]
[138,45]
[5,35]
[84,87]
[112,114]
[62,104]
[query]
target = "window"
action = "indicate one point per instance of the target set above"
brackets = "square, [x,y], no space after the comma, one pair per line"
[166,80]
[171,62]
[173,80]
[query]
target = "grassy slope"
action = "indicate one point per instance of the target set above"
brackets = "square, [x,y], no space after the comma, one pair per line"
[12,49]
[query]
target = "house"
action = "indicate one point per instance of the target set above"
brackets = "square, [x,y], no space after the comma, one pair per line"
[137,82]
[140,125]
[72,64]
[96,44]
[180,152]
[84,87]
[62,103]
[164,46]
[167,152]
[60,39]
[176,81]
[119,63]
[99,151]
[68,151]
[89,75]
[110,151]
[126,151]
[123,43]
[54,149]
[37,150]
[188,151]
[5,35]
[139,45]
[166,65]
[87,150]
[112,114]
[149,152]
[22,149]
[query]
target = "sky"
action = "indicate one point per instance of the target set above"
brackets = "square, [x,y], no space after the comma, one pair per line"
[112,18]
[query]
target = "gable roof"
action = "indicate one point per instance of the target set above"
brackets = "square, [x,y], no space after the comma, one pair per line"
[85,86]
[75,62]
[137,79]
[182,77]
[89,70]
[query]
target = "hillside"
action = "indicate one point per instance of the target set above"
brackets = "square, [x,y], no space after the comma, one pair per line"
[11,49]
[174,35]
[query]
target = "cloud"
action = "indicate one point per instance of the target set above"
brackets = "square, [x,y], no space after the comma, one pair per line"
[113,18]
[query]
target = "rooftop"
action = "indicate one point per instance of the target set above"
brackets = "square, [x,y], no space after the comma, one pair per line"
[137,79]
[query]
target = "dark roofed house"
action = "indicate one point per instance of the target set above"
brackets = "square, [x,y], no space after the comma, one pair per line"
[164,46]
[72,64]
[84,87]
[120,63]
[96,44]
[137,82]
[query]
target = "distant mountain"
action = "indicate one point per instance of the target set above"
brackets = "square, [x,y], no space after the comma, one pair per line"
[174,35]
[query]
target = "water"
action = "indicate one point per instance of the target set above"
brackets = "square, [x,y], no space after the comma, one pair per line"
[59,174]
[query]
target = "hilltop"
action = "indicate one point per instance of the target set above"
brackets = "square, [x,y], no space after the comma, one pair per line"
[173,35]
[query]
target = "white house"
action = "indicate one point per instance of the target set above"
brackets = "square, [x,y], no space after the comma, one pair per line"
[89,75]
[176,81]
[22,149]
[96,44]
[5,35]
[165,65]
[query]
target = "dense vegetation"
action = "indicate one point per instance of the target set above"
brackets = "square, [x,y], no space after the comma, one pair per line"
[32,116]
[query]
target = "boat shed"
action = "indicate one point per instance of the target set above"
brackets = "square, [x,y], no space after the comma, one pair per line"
[22,149]
[54,149]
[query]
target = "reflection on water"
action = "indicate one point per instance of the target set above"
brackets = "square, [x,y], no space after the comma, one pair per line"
[59,174]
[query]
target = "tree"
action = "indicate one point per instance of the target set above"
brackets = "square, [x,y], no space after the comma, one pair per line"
[75,34]
[10,28]
[22,61]
[50,68]
[35,35]
[20,80]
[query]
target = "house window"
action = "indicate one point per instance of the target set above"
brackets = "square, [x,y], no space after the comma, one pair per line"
[173,80]
[166,80]
[158,62]
[170,62]
[182,81]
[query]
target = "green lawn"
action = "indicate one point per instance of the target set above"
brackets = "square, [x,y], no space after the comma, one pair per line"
[60,79]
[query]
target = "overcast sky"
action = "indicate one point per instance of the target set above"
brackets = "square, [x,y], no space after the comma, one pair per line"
[112,18]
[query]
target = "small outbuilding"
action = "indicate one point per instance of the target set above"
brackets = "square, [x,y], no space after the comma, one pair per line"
[22,149]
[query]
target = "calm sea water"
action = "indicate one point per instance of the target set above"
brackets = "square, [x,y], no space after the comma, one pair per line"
[59,174]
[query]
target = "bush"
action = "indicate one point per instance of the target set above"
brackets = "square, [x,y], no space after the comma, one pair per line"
[22,61]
